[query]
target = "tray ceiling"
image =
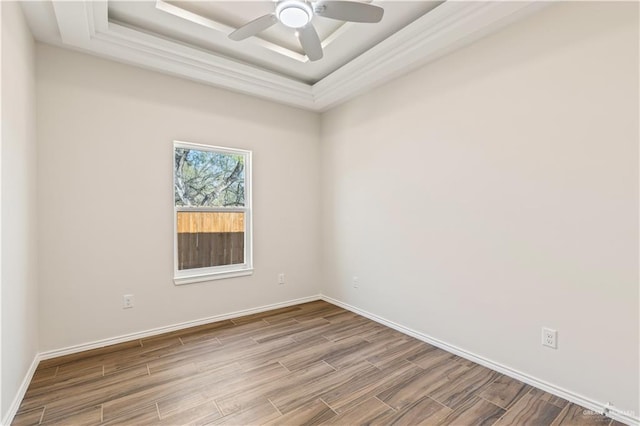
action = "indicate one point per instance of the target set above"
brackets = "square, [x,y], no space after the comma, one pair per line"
[189,39]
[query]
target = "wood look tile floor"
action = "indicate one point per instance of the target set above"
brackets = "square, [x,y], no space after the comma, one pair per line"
[308,364]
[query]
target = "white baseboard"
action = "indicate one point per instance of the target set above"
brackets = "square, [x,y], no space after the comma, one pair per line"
[22,390]
[174,327]
[600,407]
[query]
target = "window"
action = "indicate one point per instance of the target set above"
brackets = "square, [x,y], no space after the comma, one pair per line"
[212,212]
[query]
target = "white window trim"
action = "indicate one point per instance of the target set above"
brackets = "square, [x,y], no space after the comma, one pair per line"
[189,276]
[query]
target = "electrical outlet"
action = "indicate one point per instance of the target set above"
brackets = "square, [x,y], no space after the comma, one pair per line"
[356,282]
[127,301]
[549,338]
[281,278]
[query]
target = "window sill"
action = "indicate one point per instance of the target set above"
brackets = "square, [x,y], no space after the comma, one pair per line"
[211,276]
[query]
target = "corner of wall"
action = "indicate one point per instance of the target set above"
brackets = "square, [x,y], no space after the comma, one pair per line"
[18,238]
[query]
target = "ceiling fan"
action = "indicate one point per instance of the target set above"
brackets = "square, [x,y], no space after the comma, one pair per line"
[299,13]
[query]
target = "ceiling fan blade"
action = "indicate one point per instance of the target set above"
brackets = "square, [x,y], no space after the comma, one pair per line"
[349,11]
[254,27]
[310,42]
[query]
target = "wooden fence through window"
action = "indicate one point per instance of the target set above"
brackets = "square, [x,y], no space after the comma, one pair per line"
[208,239]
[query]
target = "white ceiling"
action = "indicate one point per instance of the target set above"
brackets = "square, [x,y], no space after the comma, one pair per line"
[189,39]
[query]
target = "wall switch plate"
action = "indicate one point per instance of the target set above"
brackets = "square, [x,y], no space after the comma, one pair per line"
[281,278]
[550,338]
[356,282]
[127,301]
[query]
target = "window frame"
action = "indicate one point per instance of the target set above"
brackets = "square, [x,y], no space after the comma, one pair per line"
[188,276]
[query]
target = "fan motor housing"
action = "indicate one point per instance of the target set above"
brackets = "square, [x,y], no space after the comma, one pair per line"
[294,13]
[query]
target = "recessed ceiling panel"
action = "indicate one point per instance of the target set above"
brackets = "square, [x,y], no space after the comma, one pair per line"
[206,25]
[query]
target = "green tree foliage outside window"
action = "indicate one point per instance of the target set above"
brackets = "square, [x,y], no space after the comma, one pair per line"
[208,179]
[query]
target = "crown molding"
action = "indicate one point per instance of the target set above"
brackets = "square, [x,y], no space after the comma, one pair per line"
[448,27]
[84,25]
[131,46]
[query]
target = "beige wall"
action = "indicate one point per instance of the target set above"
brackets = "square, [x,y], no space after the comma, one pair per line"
[18,223]
[105,193]
[495,192]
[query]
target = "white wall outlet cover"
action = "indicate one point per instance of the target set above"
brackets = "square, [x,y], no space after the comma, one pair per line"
[550,338]
[127,301]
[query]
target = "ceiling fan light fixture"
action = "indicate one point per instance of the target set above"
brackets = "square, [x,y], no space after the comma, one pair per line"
[293,13]
[297,14]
